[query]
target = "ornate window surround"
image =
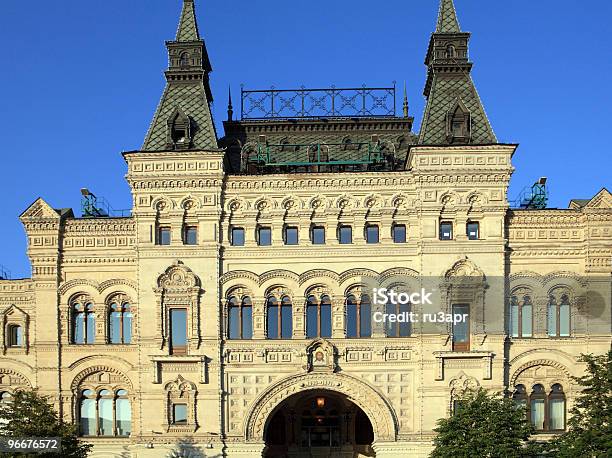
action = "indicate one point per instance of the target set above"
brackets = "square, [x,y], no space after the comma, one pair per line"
[178,287]
[121,299]
[186,392]
[14,316]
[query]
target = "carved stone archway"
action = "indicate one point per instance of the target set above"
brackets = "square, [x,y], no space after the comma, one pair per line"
[378,410]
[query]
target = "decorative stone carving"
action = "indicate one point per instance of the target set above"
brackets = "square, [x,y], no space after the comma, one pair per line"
[375,406]
[179,287]
[181,391]
[321,356]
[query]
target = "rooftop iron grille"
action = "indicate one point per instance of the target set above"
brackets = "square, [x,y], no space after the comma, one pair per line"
[318,103]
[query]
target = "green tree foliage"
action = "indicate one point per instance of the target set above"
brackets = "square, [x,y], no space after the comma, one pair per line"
[485,426]
[589,431]
[31,415]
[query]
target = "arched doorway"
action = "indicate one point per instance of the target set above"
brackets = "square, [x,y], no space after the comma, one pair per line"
[318,423]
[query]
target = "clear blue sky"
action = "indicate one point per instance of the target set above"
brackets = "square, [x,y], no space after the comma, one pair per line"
[80,81]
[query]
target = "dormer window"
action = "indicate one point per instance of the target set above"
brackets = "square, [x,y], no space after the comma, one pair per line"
[458,124]
[179,126]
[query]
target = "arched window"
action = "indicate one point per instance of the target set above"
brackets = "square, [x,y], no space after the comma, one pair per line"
[105,413]
[83,323]
[521,316]
[395,328]
[120,323]
[280,318]
[358,316]
[14,335]
[520,396]
[240,318]
[558,316]
[184,60]
[318,317]
[556,408]
[450,51]
[546,412]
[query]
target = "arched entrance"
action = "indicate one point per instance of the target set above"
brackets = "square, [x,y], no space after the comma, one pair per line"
[318,423]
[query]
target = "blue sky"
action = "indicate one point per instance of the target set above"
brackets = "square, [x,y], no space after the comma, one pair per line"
[80,81]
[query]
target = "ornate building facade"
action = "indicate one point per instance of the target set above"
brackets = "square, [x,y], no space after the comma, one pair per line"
[231,312]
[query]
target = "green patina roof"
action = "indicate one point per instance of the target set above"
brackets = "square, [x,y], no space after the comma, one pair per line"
[188,25]
[191,99]
[446,92]
[450,84]
[186,90]
[447,18]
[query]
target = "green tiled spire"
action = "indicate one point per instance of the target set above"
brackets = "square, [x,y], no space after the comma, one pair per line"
[454,113]
[183,119]
[188,25]
[447,18]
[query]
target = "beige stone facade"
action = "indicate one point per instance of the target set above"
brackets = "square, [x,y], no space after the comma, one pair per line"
[232,388]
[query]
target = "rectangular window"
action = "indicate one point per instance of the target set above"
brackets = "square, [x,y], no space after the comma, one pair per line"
[273,322]
[190,235]
[286,321]
[351,319]
[264,236]
[537,414]
[105,414]
[178,331]
[325,320]
[461,328]
[372,233]
[514,319]
[15,336]
[234,322]
[312,321]
[399,233]
[526,320]
[446,230]
[564,320]
[556,415]
[164,235]
[291,235]
[345,235]
[179,414]
[318,235]
[473,230]
[237,236]
[247,322]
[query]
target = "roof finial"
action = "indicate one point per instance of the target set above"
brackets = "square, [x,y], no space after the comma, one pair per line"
[230,108]
[447,18]
[188,25]
[405,107]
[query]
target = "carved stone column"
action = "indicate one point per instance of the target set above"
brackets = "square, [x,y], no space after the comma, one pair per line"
[338,318]
[259,318]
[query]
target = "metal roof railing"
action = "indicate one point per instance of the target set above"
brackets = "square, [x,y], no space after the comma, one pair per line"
[318,103]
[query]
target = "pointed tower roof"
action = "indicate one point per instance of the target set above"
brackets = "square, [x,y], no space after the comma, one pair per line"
[188,25]
[447,18]
[187,93]
[454,113]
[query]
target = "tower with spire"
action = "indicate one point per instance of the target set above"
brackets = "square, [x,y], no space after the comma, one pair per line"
[454,113]
[183,119]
